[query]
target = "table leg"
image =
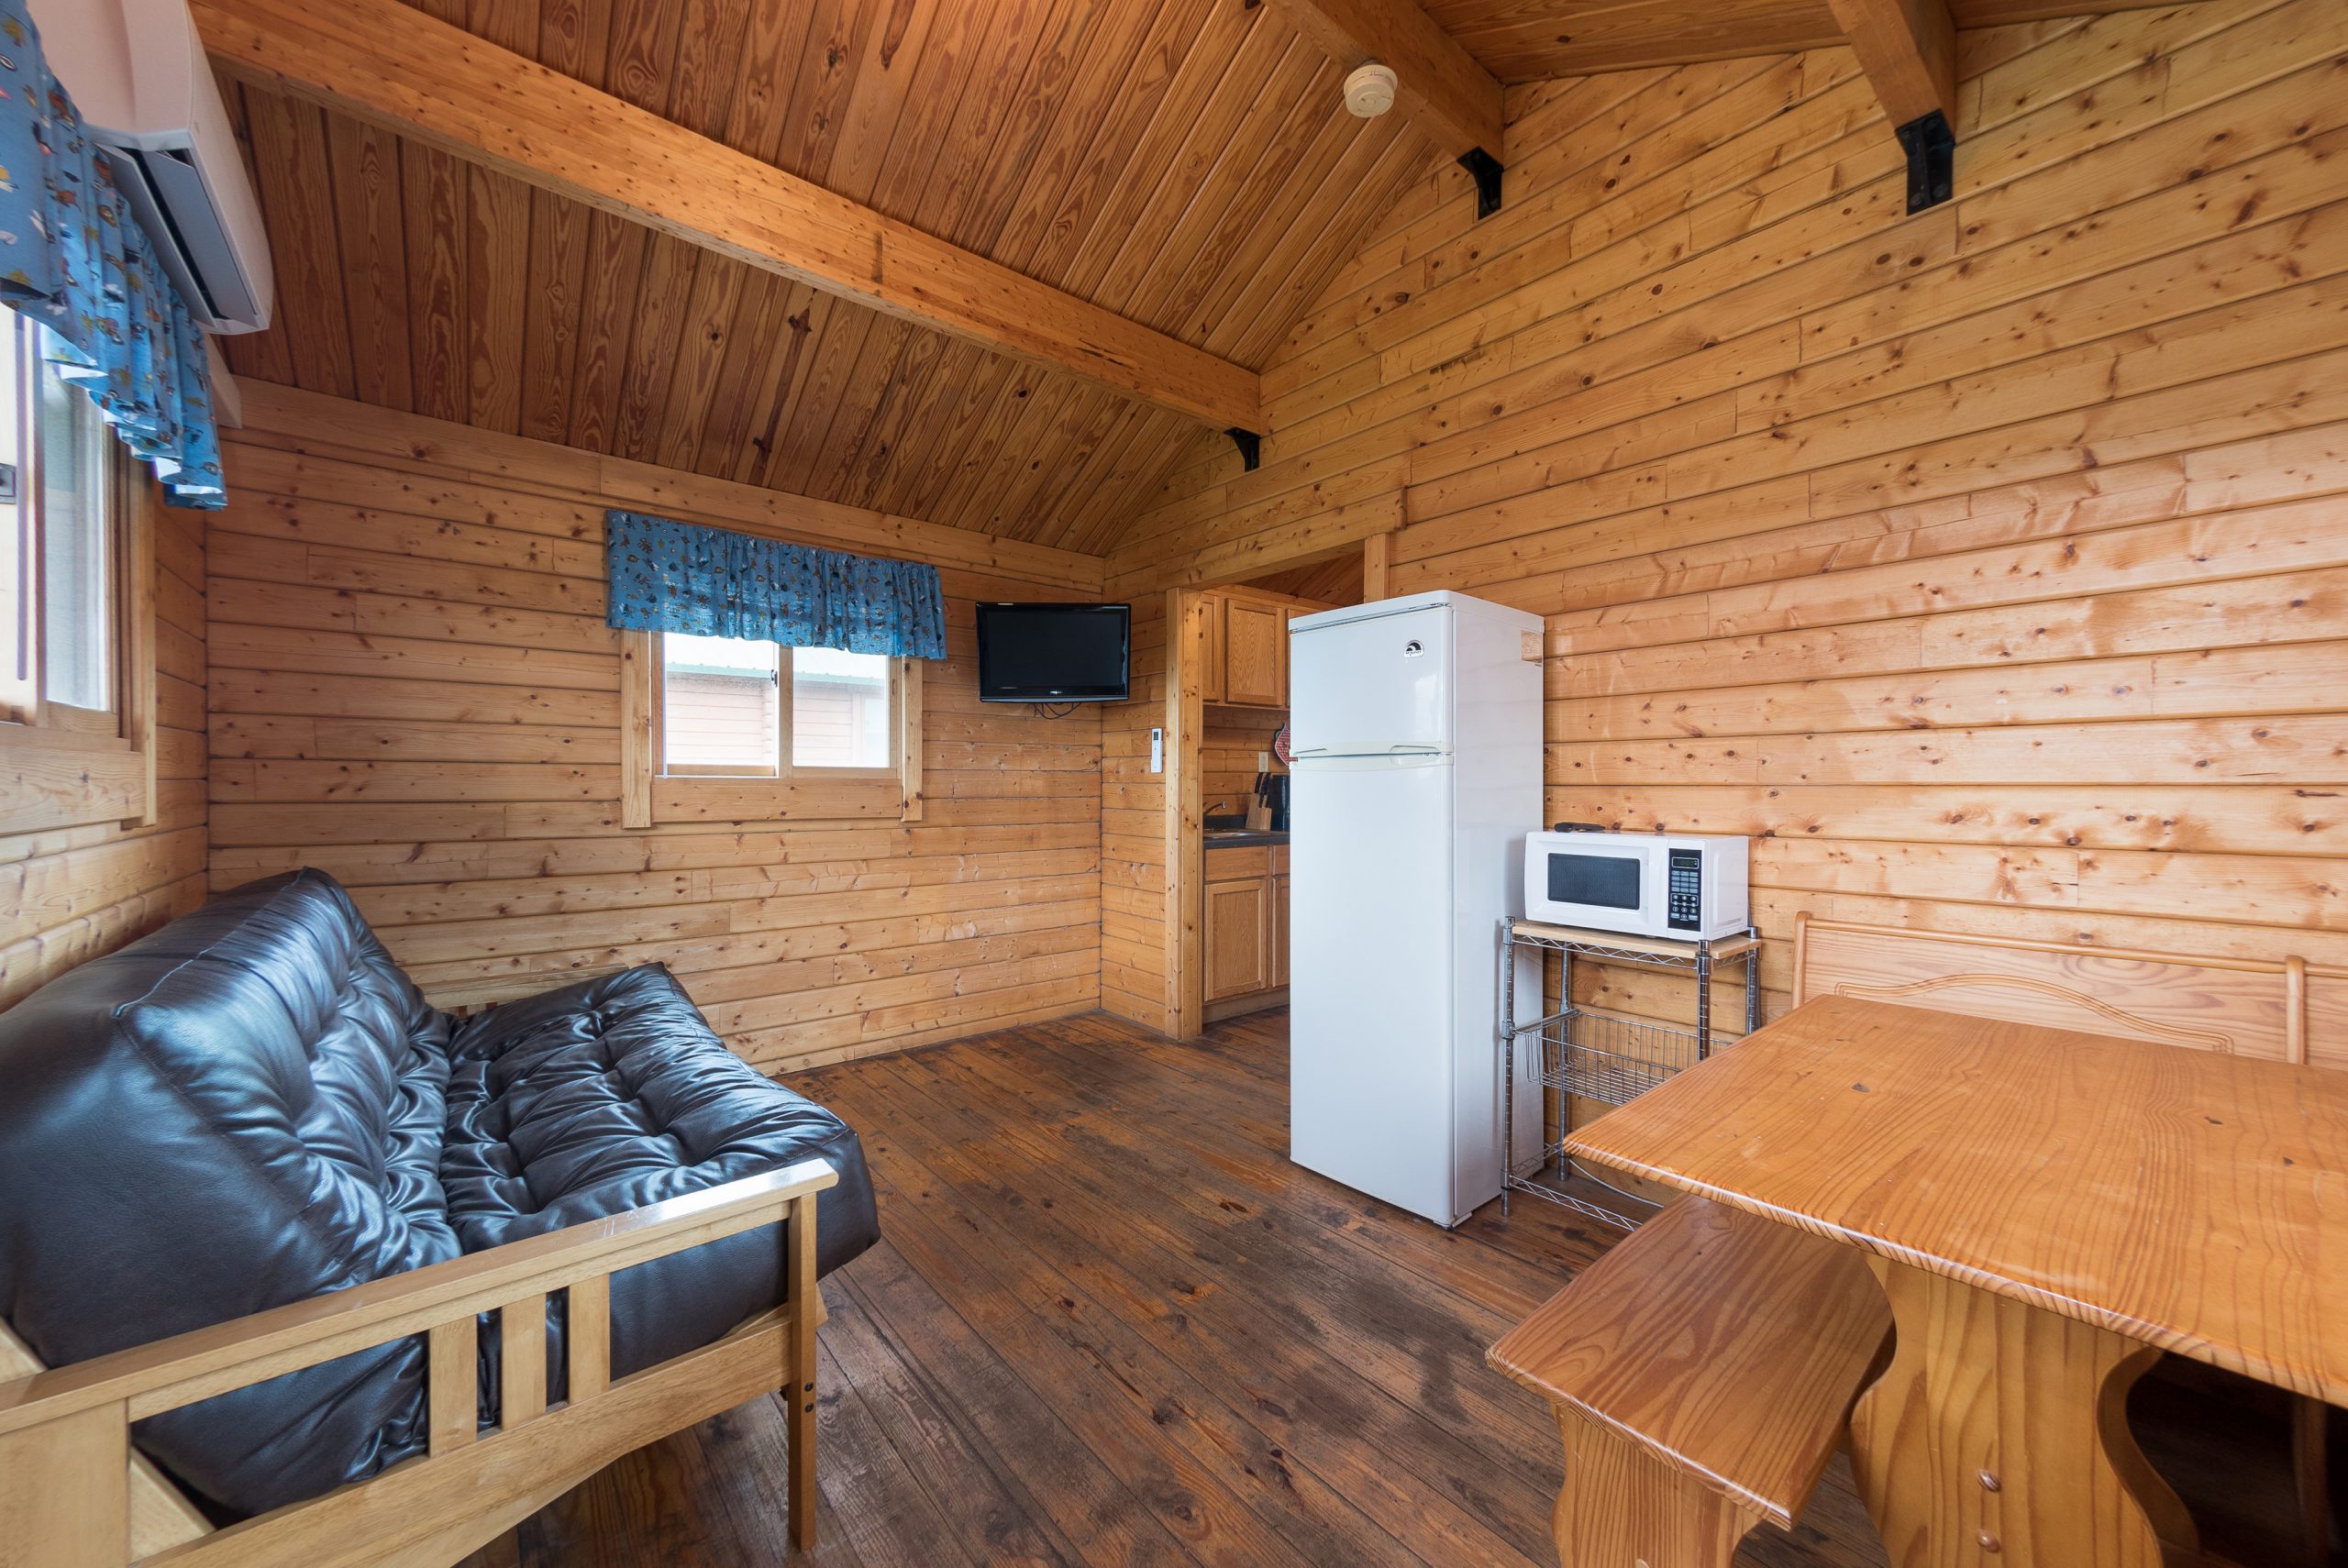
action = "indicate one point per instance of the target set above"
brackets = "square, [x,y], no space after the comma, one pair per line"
[1997,1438]
[2312,1470]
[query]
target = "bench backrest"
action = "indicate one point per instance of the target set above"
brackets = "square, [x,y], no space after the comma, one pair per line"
[2282,1008]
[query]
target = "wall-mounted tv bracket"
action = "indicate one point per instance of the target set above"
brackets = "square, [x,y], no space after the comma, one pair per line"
[1251,448]
[1486,170]
[1930,147]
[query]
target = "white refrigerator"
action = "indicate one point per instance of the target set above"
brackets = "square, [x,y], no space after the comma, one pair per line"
[1416,728]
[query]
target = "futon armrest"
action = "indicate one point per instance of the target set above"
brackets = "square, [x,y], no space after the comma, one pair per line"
[149,1379]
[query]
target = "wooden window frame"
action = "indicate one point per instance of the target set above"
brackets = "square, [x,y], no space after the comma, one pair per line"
[63,765]
[651,795]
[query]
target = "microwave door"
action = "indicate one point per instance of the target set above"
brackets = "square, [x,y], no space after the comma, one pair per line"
[1604,887]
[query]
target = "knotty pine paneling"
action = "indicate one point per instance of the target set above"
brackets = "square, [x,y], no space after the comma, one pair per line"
[1188,164]
[1229,745]
[1534,41]
[412,687]
[1138,812]
[1133,804]
[1989,565]
[70,895]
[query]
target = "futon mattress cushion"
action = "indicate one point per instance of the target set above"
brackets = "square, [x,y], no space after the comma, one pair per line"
[243,1109]
[612,1094]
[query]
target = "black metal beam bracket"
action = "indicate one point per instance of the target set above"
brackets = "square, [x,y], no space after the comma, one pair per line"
[1251,448]
[1930,147]
[1486,170]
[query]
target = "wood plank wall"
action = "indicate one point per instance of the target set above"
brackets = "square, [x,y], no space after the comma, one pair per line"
[1989,565]
[70,895]
[1135,824]
[414,688]
[1229,742]
[1133,831]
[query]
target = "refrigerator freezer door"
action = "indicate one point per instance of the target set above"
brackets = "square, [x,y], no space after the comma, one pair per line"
[1371,979]
[1376,687]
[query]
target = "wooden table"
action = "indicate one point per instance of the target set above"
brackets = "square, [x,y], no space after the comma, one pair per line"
[2046,1210]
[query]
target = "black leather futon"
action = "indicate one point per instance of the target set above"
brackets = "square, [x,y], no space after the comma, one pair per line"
[255,1105]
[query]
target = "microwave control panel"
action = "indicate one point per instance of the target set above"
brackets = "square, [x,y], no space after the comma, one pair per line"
[1684,895]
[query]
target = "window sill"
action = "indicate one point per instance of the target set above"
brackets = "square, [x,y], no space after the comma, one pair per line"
[716,800]
[59,778]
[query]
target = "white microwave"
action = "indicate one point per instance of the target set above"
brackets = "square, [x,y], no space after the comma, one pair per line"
[1686,888]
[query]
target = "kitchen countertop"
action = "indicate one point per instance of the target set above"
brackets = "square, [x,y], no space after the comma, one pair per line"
[1228,838]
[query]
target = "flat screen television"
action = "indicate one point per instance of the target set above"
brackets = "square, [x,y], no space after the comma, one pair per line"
[1054,653]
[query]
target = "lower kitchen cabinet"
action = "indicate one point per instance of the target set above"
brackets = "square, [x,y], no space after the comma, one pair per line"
[1239,938]
[1245,928]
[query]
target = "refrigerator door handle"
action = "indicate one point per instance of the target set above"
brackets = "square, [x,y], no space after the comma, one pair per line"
[1405,748]
[1373,762]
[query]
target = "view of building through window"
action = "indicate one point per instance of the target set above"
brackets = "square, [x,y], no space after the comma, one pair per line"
[57,572]
[722,710]
[720,705]
[76,541]
[839,709]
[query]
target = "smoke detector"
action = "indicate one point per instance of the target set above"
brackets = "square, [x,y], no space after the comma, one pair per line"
[1370,91]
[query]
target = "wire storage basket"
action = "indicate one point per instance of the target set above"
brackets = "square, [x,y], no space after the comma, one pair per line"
[1576,1054]
[1611,1059]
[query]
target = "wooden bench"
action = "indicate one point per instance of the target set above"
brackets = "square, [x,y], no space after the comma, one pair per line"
[1703,1372]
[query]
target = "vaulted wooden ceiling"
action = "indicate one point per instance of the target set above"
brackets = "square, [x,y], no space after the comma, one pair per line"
[1532,40]
[1187,164]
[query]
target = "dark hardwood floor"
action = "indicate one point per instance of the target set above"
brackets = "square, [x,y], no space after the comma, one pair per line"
[1111,1324]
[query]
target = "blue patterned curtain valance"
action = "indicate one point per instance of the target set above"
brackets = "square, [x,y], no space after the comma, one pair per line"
[679,576]
[74,258]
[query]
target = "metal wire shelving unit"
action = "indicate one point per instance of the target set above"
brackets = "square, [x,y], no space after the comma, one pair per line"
[1596,1055]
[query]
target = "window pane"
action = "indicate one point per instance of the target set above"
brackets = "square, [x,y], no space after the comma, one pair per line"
[719,704]
[839,709]
[19,572]
[77,623]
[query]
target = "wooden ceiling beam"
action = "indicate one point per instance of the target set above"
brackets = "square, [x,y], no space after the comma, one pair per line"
[1437,83]
[1908,48]
[386,62]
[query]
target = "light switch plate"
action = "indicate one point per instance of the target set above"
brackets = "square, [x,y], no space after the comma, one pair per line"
[1158,751]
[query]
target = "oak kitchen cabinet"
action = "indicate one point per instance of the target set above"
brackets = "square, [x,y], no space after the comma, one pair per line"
[1255,653]
[1246,652]
[1244,925]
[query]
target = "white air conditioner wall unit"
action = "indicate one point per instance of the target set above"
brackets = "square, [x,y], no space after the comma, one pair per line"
[137,71]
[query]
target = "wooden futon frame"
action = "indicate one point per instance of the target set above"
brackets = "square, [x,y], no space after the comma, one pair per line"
[74,1493]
